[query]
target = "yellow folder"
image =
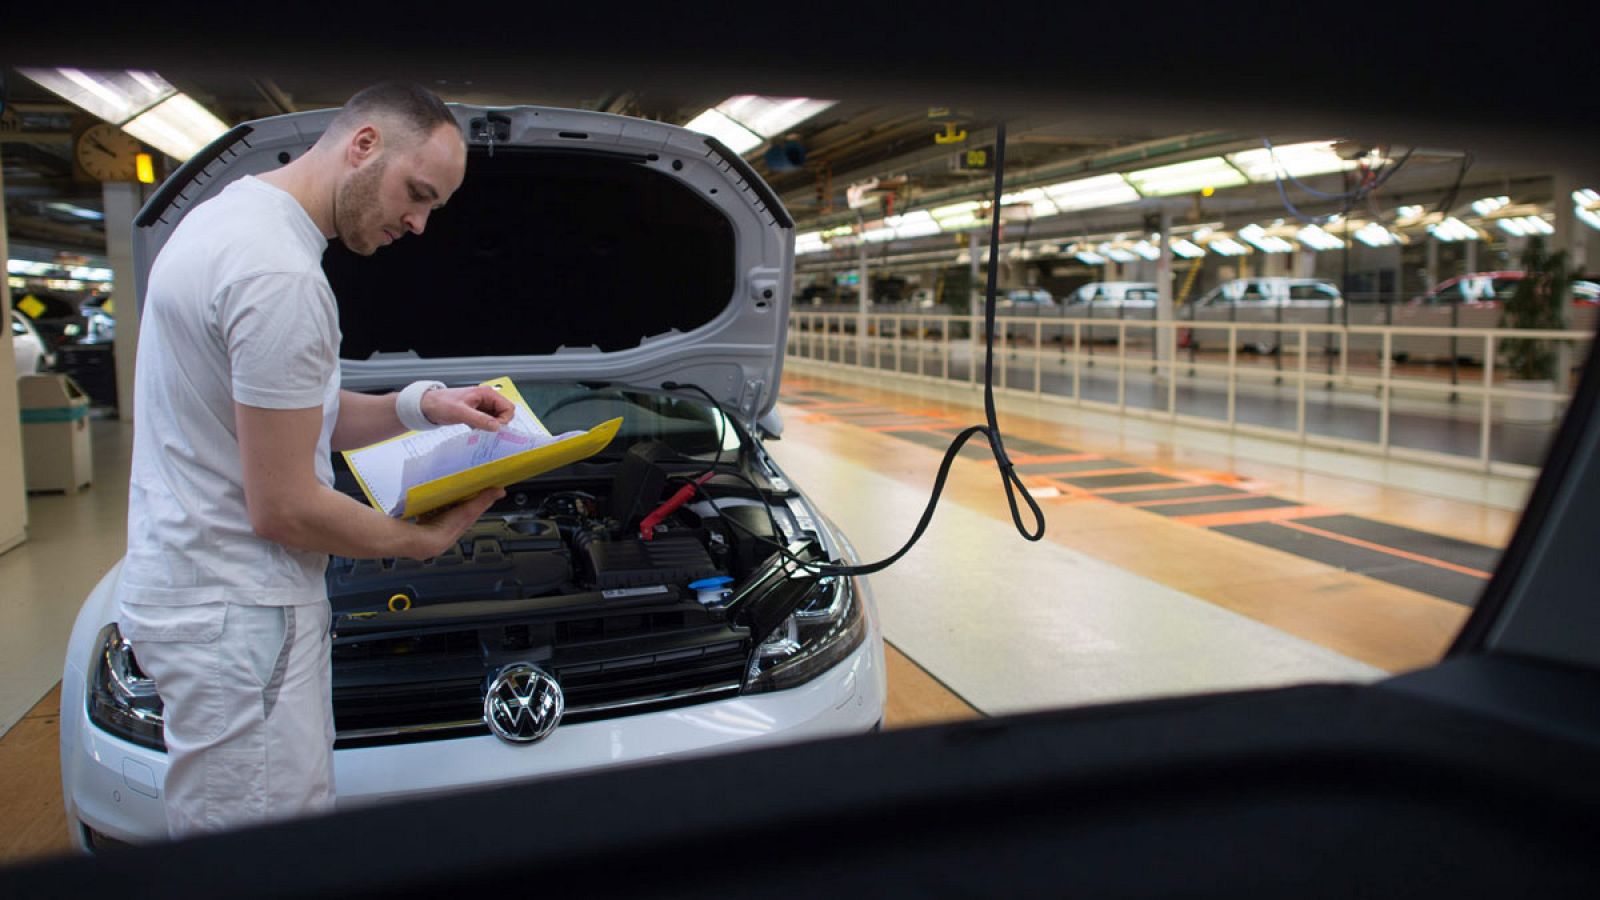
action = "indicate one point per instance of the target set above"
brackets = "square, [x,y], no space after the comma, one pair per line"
[377,467]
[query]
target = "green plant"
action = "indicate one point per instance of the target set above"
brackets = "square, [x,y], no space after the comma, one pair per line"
[1536,303]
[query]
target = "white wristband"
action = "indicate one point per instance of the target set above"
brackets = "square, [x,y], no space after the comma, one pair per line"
[408,405]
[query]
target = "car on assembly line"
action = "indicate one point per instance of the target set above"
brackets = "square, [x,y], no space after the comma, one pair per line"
[711,636]
[1268,299]
[32,356]
[1474,300]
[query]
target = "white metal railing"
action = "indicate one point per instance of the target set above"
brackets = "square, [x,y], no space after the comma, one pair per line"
[1356,365]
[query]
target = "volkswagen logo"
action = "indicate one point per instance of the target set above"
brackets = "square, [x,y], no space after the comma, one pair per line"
[523,704]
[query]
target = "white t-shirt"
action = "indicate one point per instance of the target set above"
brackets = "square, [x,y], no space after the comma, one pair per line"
[237,309]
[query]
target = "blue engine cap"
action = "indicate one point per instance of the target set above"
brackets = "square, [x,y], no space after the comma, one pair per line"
[710,584]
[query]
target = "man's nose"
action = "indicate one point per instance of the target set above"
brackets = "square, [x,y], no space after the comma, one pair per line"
[415,221]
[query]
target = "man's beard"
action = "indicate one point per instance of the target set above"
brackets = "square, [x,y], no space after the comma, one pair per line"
[356,209]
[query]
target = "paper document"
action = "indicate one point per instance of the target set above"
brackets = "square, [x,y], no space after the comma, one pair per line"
[420,471]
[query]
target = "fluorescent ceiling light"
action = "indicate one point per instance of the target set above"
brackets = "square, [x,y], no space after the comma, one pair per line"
[1117,253]
[1521,226]
[1453,229]
[1258,236]
[961,223]
[734,136]
[1584,204]
[30,267]
[1035,199]
[141,103]
[1317,239]
[809,242]
[875,232]
[1408,212]
[1296,160]
[914,224]
[1186,177]
[1091,193]
[115,96]
[1227,246]
[1186,248]
[769,116]
[1489,204]
[92,215]
[1374,235]
[1090,257]
[177,126]
[956,210]
[1147,250]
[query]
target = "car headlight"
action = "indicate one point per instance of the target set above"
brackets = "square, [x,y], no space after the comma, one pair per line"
[122,699]
[824,629]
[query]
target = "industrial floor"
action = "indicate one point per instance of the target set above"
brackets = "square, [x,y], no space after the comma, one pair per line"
[1174,561]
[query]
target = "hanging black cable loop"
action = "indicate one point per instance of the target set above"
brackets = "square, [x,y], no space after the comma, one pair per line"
[990,430]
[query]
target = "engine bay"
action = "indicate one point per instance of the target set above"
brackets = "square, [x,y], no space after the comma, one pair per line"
[564,537]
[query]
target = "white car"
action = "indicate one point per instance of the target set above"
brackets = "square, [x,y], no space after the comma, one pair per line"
[1109,295]
[1270,299]
[28,346]
[700,640]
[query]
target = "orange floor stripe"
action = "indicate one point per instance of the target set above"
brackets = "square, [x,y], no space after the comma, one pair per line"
[1392,551]
[1177,501]
[1022,459]
[1125,470]
[1252,516]
[1187,482]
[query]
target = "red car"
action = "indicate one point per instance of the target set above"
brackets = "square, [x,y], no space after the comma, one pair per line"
[1489,289]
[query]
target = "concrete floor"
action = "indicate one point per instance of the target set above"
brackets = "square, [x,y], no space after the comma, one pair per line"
[1175,560]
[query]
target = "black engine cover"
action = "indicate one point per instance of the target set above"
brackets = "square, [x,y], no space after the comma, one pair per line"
[493,560]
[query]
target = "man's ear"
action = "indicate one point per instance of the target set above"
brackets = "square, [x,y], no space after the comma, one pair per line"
[363,144]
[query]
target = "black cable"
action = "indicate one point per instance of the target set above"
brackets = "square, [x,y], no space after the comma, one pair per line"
[990,430]
[1450,199]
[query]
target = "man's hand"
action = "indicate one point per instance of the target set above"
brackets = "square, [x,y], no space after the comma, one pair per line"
[442,528]
[481,407]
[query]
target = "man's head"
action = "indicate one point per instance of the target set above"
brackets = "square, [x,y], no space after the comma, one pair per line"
[400,155]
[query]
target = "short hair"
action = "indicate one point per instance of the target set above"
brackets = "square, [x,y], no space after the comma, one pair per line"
[416,108]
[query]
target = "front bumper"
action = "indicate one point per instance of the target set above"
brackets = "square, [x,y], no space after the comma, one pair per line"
[114,787]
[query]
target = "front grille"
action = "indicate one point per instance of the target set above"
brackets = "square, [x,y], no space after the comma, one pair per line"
[400,690]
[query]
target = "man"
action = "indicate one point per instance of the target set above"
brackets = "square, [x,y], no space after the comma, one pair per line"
[231,510]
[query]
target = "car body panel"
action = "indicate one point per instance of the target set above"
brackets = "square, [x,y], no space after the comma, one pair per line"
[737,355]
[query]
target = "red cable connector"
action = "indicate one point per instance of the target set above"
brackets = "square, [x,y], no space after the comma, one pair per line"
[647,527]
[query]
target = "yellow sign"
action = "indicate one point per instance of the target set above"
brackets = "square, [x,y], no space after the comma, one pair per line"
[950,135]
[30,306]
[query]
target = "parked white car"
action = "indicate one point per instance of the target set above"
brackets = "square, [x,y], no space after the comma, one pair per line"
[698,641]
[1272,299]
[28,347]
[1103,295]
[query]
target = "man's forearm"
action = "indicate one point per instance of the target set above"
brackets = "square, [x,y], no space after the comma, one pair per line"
[364,419]
[327,521]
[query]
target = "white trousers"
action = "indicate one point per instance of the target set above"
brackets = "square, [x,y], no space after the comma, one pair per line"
[248,707]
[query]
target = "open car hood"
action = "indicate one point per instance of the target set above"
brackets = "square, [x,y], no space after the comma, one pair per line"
[581,246]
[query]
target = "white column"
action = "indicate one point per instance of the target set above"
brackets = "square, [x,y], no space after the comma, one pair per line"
[863,299]
[122,203]
[13,486]
[1566,237]
[975,301]
[1165,338]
